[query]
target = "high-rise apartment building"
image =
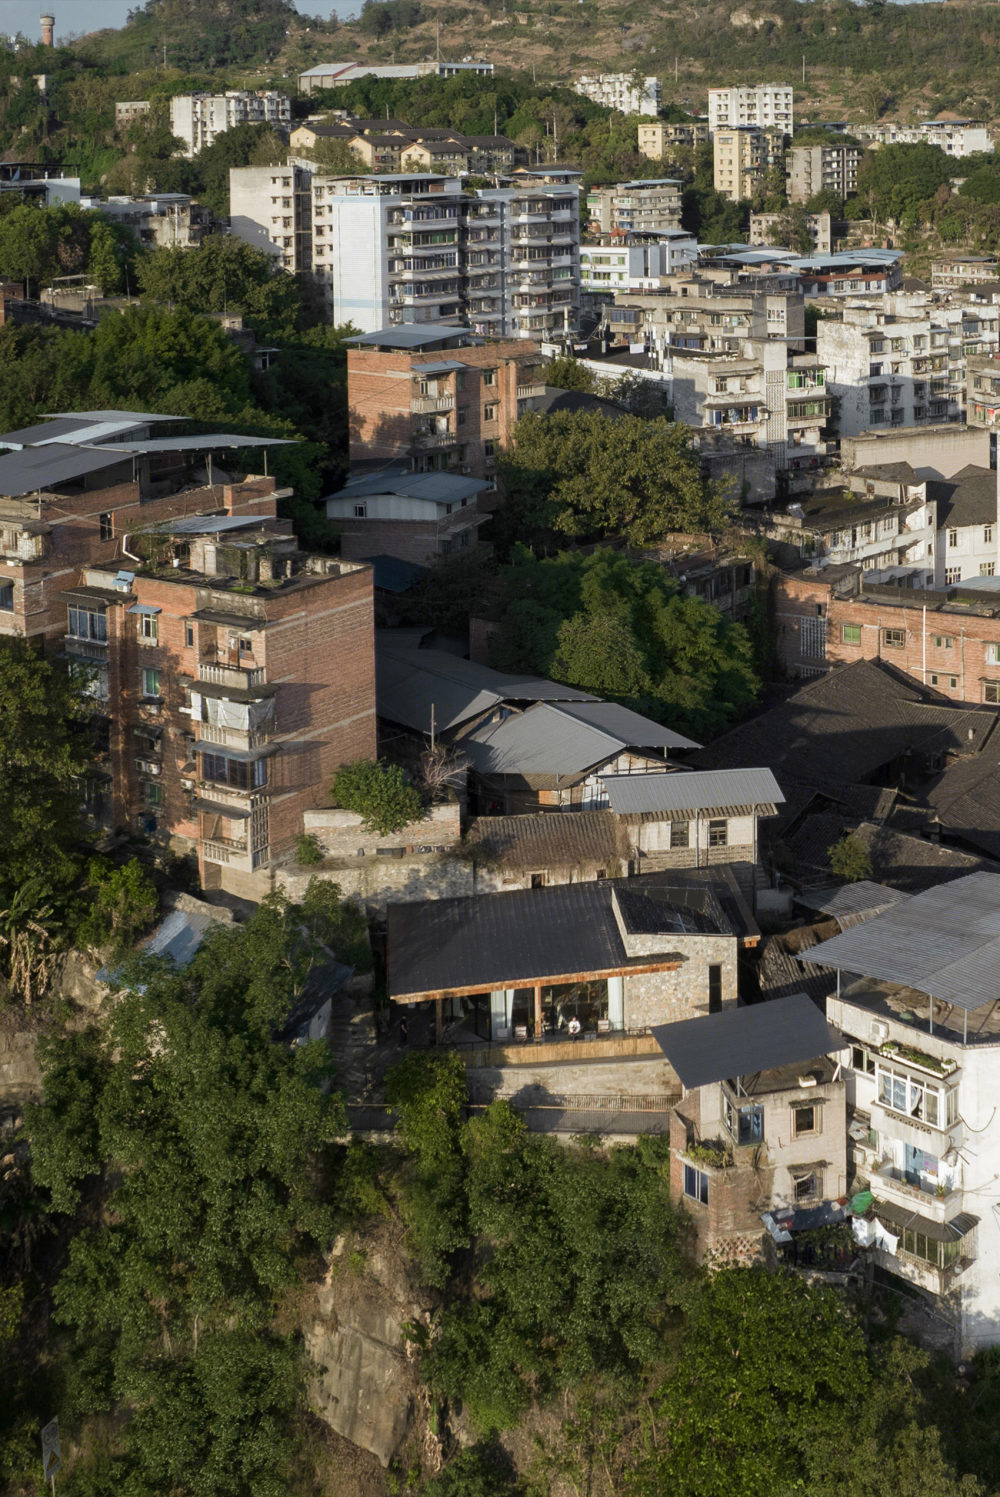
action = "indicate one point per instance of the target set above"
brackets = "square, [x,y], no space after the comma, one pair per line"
[769,106]
[821,168]
[740,159]
[621,91]
[196,119]
[651,206]
[411,247]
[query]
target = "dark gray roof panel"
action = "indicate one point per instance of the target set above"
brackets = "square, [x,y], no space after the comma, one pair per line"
[559,738]
[410,681]
[742,1041]
[637,794]
[944,942]
[46,467]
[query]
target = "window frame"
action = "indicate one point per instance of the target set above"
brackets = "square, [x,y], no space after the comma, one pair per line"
[894,639]
[718,832]
[696,1184]
[850,634]
[801,1110]
[150,678]
[148,628]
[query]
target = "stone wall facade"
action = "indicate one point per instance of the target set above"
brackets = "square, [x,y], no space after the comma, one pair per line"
[667,997]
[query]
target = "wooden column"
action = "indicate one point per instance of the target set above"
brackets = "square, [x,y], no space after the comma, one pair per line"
[538,1011]
[439,1019]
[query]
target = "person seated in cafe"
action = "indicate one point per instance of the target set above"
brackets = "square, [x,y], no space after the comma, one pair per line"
[573,1028]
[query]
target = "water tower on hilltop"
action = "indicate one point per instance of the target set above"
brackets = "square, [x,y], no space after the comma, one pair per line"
[48,31]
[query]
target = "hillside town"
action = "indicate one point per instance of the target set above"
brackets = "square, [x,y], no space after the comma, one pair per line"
[530,671]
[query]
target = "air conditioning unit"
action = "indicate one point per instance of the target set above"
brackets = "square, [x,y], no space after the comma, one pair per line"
[879,1031]
[187,784]
[148,766]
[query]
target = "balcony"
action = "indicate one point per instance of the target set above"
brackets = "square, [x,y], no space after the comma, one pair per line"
[893,1185]
[241,738]
[238,677]
[227,852]
[433,441]
[87,649]
[529,392]
[426,405]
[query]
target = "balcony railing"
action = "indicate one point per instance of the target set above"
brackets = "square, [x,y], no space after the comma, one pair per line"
[235,737]
[425,405]
[230,675]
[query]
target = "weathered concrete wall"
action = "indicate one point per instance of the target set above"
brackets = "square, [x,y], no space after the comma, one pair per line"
[377,882]
[342,834]
[547,1085]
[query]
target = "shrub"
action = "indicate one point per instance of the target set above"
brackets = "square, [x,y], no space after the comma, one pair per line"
[380,794]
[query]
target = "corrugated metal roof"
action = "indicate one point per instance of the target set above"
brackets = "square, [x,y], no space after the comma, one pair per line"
[691,790]
[944,942]
[410,335]
[200,444]
[443,488]
[741,1041]
[897,1218]
[207,524]
[562,739]
[850,904]
[35,468]
[411,681]
[143,416]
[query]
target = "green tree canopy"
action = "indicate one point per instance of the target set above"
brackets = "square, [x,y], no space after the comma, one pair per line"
[198,1130]
[380,793]
[224,274]
[850,859]
[623,630]
[894,180]
[585,476]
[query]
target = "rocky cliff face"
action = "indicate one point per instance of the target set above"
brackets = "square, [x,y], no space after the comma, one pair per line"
[365,1385]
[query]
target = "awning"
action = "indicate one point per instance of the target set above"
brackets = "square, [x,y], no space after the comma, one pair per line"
[143,608]
[896,1218]
[85,594]
[743,1041]
[243,755]
[212,808]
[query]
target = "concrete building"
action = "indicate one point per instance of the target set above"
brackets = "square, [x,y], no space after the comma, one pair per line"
[699,312]
[821,168]
[410,516]
[764,227]
[169,220]
[950,272]
[741,157]
[660,139]
[270,208]
[955,137]
[649,207]
[437,398]
[130,110]
[338,74]
[768,106]
[196,119]
[887,369]
[609,269]
[916,1003]
[621,91]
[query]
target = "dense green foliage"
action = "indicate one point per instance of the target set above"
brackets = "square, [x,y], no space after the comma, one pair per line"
[380,793]
[223,34]
[585,476]
[196,1130]
[623,630]
[850,859]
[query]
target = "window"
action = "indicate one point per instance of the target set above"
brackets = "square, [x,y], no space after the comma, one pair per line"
[916,1097]
[952,575]
[944,641]
[152,793]
[85,624]
[460,416]
[851,634]
[489,413]
[538,880]
[993,654]
[237,773]
[489,449]
[862,1060]
[715,989]
[696,1184]
[361,511]
[680,834]
[246,646]
[938,680]
[718,833]
[986,568]
[7,597]
[987,535]
[189,635]
[894,639]
[804,1120]
[107,526]
[991,693]
[953,538]
[805,1187]
[150,682]
[149,629]
[489,376]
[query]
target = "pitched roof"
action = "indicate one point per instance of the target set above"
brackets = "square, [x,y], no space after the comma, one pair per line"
[442,488]
[550,840]
[850,904]
[847,725]
[944,942]
[552,741]
[411,682]
[741,1041]
[968,498]
[913,864]
[966,798]
[502,940]
[35,468]
[732,790]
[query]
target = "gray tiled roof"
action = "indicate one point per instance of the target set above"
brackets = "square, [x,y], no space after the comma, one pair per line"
[968,498]
[555,840]
[411,681]
[944,942]
[708,790]
[967,799]
[563,739]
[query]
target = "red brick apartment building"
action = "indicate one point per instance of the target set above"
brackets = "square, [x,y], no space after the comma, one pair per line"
[235,673]
[948,639]
[437,397]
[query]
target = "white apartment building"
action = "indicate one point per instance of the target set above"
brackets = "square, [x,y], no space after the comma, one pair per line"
[887,370]
[769,106]
[708,315]
[621,91]
[413,248]
[270,207]
[955,137]
[916,1004]
[650,206]
[196,119]
[609,268]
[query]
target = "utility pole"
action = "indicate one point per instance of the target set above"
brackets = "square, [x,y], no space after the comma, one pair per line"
[803,67]
[164,54]
[676,61]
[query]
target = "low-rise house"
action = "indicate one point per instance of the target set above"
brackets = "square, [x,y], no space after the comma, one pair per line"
[414,517]
[758,1140]
[169,220]
[917,1001]
[556,755]
[535,851]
